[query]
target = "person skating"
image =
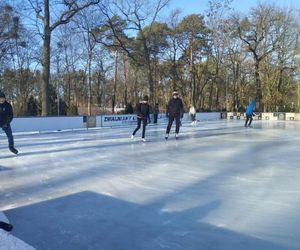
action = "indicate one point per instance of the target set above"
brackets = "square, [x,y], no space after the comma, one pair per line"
[249,113]
[143,115]
[174,112]
[6,116]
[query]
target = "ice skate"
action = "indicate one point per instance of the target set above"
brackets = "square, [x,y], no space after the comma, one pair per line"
[6,226]
[13,150]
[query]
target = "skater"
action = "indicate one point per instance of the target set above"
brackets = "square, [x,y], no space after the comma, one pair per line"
[192,113]
[143,110]
[249,113]
[174,112]
[6,116]
[156,112]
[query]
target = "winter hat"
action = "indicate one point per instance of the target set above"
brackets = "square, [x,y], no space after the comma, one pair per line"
[2,95]
[146,98]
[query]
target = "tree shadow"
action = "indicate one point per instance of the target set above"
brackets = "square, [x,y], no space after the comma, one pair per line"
[2,168]
[88,220]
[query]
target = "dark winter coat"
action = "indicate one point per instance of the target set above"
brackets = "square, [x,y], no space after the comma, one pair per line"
[6,114]
[143,111]
[156,110]
[175,107]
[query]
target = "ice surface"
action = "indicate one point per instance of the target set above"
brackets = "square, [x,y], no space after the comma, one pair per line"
[220,186]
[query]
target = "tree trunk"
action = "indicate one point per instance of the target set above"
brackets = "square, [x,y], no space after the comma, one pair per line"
[125,80]
[258,87]
[90,83]
[192,75]
[150,79]
[113,103]
[149,69]
[210,101]
[46,61]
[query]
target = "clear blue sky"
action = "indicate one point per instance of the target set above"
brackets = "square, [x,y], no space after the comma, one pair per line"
[198,6]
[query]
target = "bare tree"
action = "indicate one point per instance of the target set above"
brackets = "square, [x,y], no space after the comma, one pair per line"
[261,34]
[43,13]
[9,28]
[138,14]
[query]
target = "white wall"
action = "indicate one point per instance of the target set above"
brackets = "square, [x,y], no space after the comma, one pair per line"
[34,124]
[203,116]
[125,120]
[208,116]
[31,124]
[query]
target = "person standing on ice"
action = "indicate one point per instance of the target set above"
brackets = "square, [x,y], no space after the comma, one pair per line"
[249,113]
[174,112]
[192,113]
[143,115]
[155,113]
[6,116]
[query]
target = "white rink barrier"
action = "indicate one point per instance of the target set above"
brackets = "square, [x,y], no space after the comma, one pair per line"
[290,116]
[208,116]
[33,124]
[269,116]
[275,116]
[43,124]
[125,120]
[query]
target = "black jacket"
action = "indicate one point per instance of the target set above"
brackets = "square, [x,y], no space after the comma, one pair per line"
[6,114]
[143,111]
[175,107]
[156,110]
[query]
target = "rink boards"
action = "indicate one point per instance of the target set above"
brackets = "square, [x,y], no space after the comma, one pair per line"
[275,116]
[39,124]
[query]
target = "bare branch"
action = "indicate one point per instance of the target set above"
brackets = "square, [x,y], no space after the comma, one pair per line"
[66,16]
[37,10]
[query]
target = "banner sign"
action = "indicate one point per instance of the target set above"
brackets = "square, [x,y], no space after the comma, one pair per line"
[117,120]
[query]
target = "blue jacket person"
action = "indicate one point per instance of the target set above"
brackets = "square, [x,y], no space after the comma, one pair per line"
[249,113]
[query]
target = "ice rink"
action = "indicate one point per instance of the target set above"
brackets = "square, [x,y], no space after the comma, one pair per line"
[219,187]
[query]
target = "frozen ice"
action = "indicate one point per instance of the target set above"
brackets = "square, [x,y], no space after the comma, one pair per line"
[220,186]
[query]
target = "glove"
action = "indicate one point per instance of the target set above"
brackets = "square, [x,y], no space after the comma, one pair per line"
[4,126]
[167,115]
[149,121]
